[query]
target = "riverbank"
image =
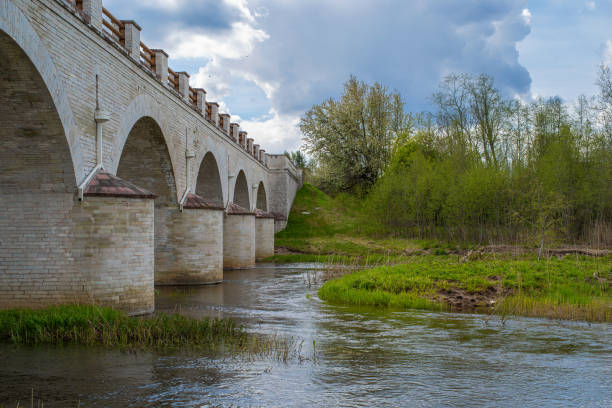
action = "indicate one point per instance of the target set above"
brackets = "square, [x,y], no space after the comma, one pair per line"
[101,326]
[560,282]
[571,288]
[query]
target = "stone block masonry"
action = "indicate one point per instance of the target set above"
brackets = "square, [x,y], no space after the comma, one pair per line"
[54,250]
[196,256]
[239,238]
[113,248]
[264,237]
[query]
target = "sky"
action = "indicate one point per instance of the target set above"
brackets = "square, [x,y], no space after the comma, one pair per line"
[268,61]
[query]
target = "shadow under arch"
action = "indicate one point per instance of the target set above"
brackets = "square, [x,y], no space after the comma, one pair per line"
[16,30]
[262,199]
[37,186]
[145,162]
[208,183]
[241,191]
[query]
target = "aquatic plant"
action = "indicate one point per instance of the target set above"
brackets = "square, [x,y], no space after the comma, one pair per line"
[92,325]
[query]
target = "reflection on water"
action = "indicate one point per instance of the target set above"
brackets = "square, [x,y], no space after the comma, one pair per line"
[363,357]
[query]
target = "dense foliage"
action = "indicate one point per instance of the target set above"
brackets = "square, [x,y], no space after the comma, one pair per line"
[350,140]
[481,168]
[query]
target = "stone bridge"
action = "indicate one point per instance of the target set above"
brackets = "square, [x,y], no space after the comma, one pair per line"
[115,174]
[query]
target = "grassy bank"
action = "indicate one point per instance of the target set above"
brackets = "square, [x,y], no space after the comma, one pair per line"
[101,326]
[93,325]
[435,275]
[332,230]
[573,288]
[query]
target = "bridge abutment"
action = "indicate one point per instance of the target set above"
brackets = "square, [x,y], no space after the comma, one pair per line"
[36,261]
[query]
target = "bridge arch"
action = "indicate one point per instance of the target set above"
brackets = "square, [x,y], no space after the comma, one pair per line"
[241,191]
[16,27]
[142,106]
[262,198]
[208,182]
[37,172]
[145,161]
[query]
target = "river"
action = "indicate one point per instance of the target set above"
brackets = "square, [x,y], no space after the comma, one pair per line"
[360,358]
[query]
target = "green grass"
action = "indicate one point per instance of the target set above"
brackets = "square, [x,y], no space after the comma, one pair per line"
[427,273]
[89,325]
[330,260]
[93,325]
[315,214]
[575,287]
[321,228]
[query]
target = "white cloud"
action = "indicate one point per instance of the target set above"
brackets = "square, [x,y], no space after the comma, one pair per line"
[237,43]
[300,53]
[526,14]
[214,79]
[164,4]
[590,5]
[243,6]
[275,133]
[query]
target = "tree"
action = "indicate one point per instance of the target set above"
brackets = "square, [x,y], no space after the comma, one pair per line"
[471,115]
[297,158]
[351,138]
[488,110]
[604,81]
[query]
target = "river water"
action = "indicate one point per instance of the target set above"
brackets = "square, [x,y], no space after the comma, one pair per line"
[360,358]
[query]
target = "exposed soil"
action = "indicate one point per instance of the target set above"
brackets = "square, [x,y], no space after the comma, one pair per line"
[285,251]
[462,300]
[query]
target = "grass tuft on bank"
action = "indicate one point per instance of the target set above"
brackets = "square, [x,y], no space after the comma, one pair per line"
[572,288]
[93,325]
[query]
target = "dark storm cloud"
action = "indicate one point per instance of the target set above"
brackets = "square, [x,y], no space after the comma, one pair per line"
[314,46]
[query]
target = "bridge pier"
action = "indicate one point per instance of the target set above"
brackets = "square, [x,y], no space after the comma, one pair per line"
[192,250]
[113,244]
[264,234]
[239,238]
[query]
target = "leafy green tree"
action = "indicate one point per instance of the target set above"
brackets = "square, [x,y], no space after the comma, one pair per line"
[487,169]
[351,138]
[297,158]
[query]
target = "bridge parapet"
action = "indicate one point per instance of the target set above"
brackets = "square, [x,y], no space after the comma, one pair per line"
[126,33]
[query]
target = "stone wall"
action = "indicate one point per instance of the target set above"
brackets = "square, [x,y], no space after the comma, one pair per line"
[285,180]
[36,259]
[37,186]
[54,250]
